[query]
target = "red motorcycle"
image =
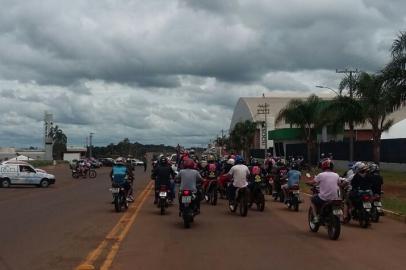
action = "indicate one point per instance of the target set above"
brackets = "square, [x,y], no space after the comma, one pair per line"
[210,188]
[222,185]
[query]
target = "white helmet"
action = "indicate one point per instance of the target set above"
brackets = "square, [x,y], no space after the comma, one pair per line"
[120,160]
[231,161]
[358,166]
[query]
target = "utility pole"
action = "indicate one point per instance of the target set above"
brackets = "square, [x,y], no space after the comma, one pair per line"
[90,144]
[351,123]
[264,109]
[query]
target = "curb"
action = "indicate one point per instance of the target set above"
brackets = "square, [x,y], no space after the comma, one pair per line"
[388,213]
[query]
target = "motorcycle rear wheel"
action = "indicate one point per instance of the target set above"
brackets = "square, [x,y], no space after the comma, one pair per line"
[213,196]
[314,227]
[375,215]
[162,206]
[243,205]
[364,220]
[334,227]
[117,204]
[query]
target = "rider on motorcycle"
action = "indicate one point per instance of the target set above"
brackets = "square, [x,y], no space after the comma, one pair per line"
[189,179]
[163,174]
[293,179]
[239,174]
[119,174]
[376,179]
[360,181]
[328,182]
[281,174]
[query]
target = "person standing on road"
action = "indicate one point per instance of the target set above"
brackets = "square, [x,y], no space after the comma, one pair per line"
[239,174]
[144,160]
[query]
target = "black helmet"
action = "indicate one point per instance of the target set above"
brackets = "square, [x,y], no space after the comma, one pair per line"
[295,166]
[163,160]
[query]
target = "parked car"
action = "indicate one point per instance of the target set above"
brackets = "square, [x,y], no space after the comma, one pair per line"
[24,174]
[139,162]
[108,162]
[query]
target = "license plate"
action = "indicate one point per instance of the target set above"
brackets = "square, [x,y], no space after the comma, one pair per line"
[186,199]
[258,179]
[367,205]
[296,192]
[115,190]
[377,203]
[337,212]
[162,194]
[270,181]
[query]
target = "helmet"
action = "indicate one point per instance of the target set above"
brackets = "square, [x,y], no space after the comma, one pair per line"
[351,165]
[239,159]
[373,168]
[359,166]
[203,163]
[210,158]
[120,160]
[163,160]
[231,161]
[295,166]
[192,151]
[254,161]
[188,163]
[327,165]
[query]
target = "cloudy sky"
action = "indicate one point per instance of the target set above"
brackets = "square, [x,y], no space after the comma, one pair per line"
[166,71]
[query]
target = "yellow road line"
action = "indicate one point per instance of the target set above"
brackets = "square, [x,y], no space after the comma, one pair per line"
[126,220]
[113,252]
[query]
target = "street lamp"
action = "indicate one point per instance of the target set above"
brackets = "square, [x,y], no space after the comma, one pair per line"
[335,92]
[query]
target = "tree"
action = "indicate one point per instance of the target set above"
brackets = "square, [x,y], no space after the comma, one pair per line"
[377,102]
[59,142]
[305,114]
[242,136]
[395,71]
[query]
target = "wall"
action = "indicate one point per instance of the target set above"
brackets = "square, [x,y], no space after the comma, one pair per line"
[71,156]
[399,167]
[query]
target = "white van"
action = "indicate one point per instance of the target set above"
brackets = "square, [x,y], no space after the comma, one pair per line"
[24,174]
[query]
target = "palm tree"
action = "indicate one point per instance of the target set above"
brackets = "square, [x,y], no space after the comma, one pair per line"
[377,102]
[59,142]
[242,136]
[305,114]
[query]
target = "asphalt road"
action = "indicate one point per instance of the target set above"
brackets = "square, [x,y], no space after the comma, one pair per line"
[73,223]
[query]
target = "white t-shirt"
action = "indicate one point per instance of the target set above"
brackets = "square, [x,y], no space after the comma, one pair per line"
[328,183]
[240,175]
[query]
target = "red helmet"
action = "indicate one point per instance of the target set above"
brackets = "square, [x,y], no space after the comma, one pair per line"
[188,163]
[327,165]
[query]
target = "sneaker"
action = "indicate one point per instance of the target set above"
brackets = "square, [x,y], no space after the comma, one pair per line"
[130,199]
[316,219]
[231,207]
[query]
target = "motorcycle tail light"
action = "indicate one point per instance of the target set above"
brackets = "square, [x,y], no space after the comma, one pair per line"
[186,192]
[365,197]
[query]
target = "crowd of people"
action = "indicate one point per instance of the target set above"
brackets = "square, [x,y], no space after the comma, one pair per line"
[233,172]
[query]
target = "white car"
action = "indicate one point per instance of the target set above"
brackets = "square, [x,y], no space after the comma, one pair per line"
[138,162]
[24,174]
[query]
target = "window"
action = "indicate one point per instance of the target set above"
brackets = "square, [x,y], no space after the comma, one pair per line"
[27,169]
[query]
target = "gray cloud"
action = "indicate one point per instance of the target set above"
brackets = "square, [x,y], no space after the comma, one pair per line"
[172,71]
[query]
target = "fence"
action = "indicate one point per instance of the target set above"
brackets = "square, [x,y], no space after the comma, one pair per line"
[392,150]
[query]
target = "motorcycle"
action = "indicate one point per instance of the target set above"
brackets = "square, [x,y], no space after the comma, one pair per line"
[269,184]
[361,211]
[163,198]
[278,192]
[330,214]
[293,199]
[376,210]
[119,198]
[210,191]
[83,173]
[188,207]
[256,195]
[222,185]
[240,201]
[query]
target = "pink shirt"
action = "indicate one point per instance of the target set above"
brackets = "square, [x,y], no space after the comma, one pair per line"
[328,183]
